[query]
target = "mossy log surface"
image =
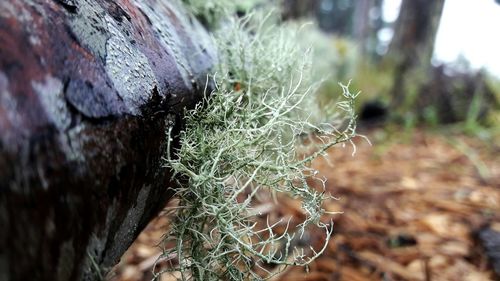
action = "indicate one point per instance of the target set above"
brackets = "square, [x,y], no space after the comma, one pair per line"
[87,91]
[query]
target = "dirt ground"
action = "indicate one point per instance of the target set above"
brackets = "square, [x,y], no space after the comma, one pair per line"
[414,206]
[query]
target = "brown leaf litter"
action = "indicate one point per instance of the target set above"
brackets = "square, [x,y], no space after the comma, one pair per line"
[412,207]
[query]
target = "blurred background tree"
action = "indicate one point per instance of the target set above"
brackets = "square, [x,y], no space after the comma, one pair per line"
[411,48]
[394,65]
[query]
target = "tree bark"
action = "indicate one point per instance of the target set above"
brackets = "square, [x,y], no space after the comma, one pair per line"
[367,21]
[87,91]
[294,9]
[411,48]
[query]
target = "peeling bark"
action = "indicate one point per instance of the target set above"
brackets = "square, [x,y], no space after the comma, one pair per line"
[87,90]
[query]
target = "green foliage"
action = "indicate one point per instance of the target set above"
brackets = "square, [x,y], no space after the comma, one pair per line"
[430,116]
[211,12]
[245,138]
[334,59]
[472,120]
[494,119]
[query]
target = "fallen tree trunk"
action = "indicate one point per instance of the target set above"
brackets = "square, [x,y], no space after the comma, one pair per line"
[87,91]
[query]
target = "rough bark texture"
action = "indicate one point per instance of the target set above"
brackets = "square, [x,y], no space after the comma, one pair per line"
[87,90]
[412,46]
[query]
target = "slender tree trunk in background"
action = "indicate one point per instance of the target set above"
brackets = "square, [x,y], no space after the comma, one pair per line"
[88,90]
[361,25]
[411,48]
[362,18]
[294,9]
[367,22]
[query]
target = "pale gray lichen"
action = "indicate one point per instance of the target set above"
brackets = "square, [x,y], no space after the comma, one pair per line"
[170,38]
[51,95]
[128,68]
[89,26]
[242,141]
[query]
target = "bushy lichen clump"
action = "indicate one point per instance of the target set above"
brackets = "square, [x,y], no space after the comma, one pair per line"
[212,12]
[209,11]
[243,139]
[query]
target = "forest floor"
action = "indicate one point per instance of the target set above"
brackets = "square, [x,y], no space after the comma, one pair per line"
[414,206]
